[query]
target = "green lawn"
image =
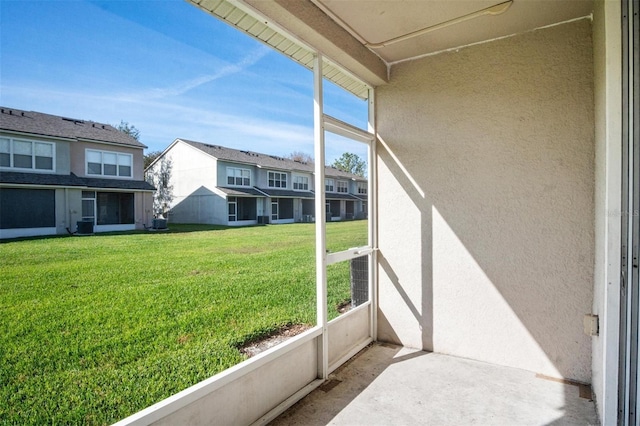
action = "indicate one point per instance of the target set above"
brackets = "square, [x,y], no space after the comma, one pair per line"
[93,329]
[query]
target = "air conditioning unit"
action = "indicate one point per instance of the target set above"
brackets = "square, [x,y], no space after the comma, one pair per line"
[307,218]
[159,224]
[84,227]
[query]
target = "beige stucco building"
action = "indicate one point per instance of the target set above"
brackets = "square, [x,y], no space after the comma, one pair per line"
[62,175]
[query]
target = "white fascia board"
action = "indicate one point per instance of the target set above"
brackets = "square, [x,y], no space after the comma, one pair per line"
[110,143]
[163,153]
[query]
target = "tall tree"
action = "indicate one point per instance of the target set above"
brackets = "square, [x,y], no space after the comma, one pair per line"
[160,177]
[129,129]
[301,157]
[351,163]
[149,157]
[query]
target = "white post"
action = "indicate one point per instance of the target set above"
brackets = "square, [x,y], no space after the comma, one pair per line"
[372,215]
[321,246]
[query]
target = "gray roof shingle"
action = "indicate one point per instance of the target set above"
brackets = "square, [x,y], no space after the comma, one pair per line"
[265,160]
[38,123]
[251,192]
[285,193]
[335,196]
[18,178]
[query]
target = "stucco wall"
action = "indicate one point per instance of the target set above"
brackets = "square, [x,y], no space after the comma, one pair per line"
[63,158]
[201,206]
[191,169]
[143,208]
[486,201]
[78,165]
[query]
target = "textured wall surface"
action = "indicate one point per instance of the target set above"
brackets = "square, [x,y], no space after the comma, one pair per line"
[486,208]
[191,170]
[78,150]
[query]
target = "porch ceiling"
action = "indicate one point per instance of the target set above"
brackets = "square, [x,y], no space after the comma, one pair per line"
[357,38]
[443,24]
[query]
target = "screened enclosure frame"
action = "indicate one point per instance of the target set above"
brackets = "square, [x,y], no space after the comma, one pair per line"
[312,355]
[326,123]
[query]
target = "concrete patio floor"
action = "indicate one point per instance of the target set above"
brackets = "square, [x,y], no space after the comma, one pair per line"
[391,385]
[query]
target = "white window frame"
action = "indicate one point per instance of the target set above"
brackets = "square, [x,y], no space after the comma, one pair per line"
[329,185]
[118,154]
[300,183]
[93,199]
[233,201]
[231,173]
[363,188]
[32,169]
[342,186]
[271,176]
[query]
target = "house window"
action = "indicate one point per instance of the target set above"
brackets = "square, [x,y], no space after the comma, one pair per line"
[343,186]
[301,183]
[238,177]
[277,180]
[25,154]
[328,185]
[362,187]
[108,163]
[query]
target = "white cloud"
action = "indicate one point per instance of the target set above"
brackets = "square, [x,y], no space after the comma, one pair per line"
[161,122]
[185,86]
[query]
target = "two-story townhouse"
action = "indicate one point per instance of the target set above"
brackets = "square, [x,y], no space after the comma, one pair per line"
[288,185]
[218,185]
[61,175]
[346,195]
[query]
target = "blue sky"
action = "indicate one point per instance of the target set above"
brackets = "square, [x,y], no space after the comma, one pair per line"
[165,67]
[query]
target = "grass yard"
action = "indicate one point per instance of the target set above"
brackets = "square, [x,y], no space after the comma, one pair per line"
[94,329]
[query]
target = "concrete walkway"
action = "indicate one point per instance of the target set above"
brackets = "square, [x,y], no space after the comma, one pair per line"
[390,385]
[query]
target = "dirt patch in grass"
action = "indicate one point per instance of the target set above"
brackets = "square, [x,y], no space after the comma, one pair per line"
[344,306]
[288,331]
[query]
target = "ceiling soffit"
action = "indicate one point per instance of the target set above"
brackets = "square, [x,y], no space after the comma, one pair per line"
[361,36]
[383,20]
[250,21]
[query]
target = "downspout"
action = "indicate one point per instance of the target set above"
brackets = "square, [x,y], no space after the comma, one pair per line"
[67,211]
